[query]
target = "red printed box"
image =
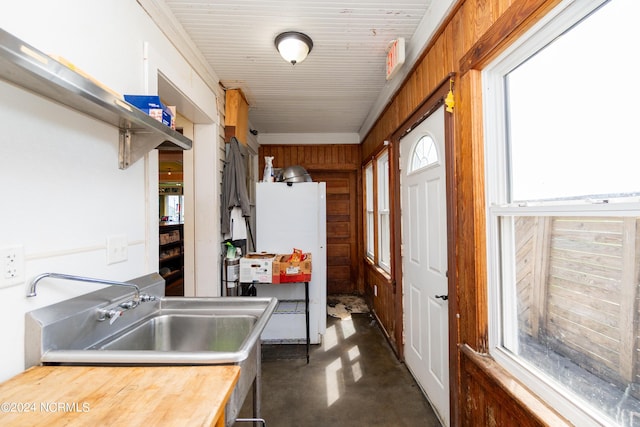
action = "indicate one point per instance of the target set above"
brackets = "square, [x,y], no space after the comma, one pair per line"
[294,271]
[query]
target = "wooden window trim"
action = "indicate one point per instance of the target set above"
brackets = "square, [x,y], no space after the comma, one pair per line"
[365,220]
[375,262]
[483,365]
[514,22]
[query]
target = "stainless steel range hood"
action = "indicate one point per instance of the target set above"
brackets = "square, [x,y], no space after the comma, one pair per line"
[32,70]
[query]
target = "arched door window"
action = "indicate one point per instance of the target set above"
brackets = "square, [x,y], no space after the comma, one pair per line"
[424,154]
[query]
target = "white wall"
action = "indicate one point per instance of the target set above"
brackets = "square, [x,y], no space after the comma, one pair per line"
[62,192]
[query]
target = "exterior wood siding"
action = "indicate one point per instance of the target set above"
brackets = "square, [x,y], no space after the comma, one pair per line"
[475,32]
[579,277]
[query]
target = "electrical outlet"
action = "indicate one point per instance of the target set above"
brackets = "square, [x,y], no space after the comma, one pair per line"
[117,249]
[12,264]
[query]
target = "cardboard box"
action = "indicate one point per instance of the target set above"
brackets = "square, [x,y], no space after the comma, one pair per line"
[151,105]
[294,271]
[259,267]
[174,114]
[170,237]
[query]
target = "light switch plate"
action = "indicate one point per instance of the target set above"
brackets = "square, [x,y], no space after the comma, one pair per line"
[117,248]
[12,264]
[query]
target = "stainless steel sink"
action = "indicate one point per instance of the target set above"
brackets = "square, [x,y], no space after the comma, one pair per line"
[184,333]
[165,331]
[171,330]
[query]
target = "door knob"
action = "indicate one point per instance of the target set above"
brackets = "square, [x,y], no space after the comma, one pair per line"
[443,297]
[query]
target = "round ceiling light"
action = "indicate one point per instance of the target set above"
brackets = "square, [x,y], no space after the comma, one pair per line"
[293,46]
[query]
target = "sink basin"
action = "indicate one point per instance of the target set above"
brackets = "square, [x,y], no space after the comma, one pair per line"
[184,333]
[171,330]
[165,331]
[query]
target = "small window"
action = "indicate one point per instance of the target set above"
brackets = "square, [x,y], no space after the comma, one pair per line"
[378,216]
[424,154]
[384,223]
[370,211]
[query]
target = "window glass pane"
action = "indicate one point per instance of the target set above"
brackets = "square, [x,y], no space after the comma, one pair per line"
[384,256]
[370,212]
[576,285]
[383,182]
[573,111]
[424,153]
[384,230]
[173,208]
[368,173]
[370,235]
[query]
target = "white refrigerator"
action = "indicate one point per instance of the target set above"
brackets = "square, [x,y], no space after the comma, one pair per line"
[288,217]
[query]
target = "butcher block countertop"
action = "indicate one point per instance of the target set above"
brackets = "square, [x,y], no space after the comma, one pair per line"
[118,396]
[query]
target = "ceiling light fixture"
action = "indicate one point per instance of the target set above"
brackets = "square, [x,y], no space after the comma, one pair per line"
[293,46]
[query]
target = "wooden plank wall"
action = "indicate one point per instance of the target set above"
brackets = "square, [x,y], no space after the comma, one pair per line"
[583,301]
[584,284]
[475,33]
[382,304]
[532,246]
[526,232]
[313,157]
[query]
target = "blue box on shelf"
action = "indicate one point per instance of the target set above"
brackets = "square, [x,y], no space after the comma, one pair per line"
[151,105]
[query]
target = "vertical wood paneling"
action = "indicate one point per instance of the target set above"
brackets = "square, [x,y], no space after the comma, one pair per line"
[279,154]
[381,303]
[492,397]
[455,34]
[484,17]
[477,31]
[313,157]
[439,57]
[470,216]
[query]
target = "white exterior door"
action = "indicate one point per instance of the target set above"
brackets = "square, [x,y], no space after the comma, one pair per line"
[424,259]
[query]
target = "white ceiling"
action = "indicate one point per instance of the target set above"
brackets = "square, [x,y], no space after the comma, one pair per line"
[340,87]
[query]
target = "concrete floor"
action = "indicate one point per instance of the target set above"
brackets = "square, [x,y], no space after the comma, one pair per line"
[353,379]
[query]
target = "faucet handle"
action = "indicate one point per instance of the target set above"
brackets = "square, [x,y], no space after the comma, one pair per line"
[147,297]
[111,314]
[129,304]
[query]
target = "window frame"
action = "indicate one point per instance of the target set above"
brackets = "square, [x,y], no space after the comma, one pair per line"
[383,211]
[369,190]
[497,175]
[374,199]
[411,167]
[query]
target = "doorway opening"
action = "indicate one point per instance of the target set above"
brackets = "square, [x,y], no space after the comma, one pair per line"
[424,261]
[171,230]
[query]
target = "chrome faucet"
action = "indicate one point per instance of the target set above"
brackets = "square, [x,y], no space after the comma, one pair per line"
[34,282]
[112,313]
